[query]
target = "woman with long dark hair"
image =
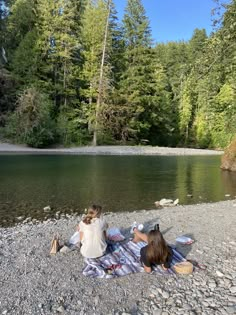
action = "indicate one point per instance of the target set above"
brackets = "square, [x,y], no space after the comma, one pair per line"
[156,252]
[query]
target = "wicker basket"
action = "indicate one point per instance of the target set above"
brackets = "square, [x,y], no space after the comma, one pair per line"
[184,268]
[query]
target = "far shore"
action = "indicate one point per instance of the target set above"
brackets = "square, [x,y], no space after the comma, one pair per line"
[6,148]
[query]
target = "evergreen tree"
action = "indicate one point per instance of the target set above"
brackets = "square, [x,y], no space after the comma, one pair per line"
[96,70]
[57,45]
[197,44]
[20,22]
[137,86]
[186,110]
[3,58]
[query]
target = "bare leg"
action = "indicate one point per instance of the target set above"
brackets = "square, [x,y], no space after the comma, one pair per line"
[139,236]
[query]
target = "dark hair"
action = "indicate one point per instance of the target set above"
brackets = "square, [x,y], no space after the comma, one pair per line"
[157,249]
[93,212]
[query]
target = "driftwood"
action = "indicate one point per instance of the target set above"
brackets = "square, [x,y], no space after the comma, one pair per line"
[166,203]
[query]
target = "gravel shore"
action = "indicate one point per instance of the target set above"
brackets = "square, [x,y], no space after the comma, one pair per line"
[6,148]
[33,282]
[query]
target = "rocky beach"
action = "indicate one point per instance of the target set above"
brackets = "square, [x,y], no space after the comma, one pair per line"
[34,282]
[6,148]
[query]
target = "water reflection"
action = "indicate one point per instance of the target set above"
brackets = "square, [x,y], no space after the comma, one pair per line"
[119,183]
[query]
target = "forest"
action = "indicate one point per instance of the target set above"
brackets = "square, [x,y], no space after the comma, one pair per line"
[71,73]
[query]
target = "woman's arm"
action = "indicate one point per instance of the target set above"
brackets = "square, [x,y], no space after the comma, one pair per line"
[140,236]
[105,227]
[81,235]
[147,269]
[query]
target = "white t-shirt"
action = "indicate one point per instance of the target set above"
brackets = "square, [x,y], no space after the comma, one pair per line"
[93,242]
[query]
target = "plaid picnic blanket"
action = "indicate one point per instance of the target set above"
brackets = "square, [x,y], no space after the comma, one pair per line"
[121,260]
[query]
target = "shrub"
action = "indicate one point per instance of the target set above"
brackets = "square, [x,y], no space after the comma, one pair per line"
[31,122]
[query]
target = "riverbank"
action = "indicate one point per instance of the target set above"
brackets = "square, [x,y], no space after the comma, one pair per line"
[33,282]
[6,148]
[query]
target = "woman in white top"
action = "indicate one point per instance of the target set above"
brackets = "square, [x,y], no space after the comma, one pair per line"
[93,233]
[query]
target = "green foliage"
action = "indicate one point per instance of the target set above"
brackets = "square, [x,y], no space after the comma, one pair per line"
[20,21]
[57,47]
[185,109]
[202,134]
[94,21]
[24,60]
[8,86]
[178,93]
[72,128]
[31,122]
[137,83]
[197,44]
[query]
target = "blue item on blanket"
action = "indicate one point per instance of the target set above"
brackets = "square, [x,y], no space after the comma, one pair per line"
[123,259]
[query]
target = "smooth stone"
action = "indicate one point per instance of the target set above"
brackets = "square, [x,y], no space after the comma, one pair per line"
[187,307]
[157,312]
[60,309]
[232,298]
[219,274]
[212,285]
[233,289]
[231,310]
[165,295]
[96,300]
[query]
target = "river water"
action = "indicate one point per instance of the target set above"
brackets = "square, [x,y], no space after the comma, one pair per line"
[70,183]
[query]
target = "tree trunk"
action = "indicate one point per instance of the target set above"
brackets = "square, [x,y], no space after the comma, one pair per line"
[99,97]
[64,79]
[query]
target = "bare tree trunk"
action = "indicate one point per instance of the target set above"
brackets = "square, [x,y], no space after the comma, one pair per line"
[99,97]
[64,85]
[64,79]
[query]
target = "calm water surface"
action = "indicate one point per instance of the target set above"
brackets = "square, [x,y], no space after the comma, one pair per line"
[119,183]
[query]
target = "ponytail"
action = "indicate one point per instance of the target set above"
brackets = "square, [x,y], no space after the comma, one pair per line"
[93,212]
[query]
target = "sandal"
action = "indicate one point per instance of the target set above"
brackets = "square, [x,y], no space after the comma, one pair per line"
[197,264]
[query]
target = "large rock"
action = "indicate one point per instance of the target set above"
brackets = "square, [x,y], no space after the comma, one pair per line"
[228,161]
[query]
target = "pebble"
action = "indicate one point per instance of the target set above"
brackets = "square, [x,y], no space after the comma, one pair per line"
[231,310]
[232,299]
[219,274]
[61,309]
[233,289]
[157,312]
[212,284]
[165,295]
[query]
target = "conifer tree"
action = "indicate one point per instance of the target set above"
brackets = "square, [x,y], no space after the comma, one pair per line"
[96,70]
[21,21]
[139,90]
[57,44]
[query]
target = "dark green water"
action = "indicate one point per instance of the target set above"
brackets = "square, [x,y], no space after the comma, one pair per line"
[69,183]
